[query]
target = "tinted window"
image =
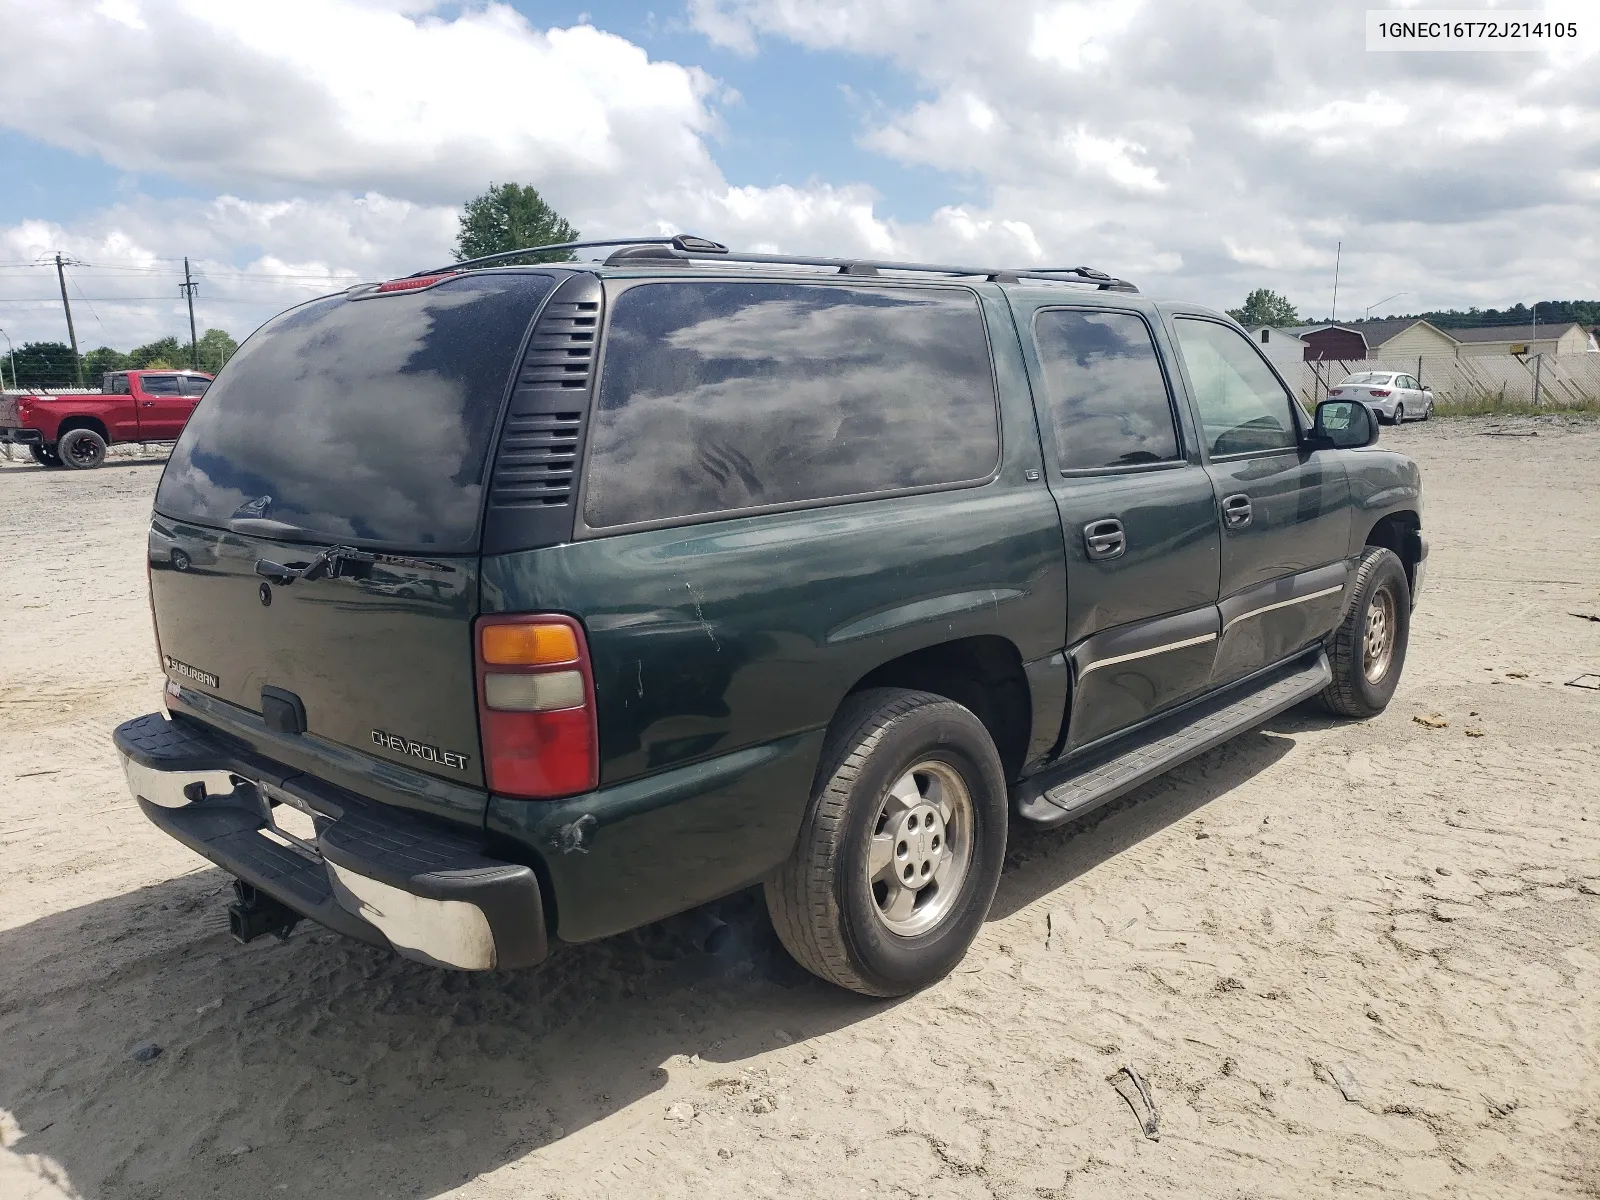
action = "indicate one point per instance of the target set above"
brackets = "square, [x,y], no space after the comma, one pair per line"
[719,396]
[1108,397]
[365,420]
[193,385]
[119,385]
[159,385]
[1242,405]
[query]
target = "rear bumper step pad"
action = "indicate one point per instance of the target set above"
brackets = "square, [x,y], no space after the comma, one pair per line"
[374,874]
[1056,797]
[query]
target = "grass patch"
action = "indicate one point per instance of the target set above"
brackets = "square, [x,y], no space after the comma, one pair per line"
[1501,406]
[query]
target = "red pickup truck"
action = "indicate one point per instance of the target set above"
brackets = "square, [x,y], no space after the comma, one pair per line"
[74,429]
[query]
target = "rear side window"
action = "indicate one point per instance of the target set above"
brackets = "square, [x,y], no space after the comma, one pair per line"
[722,396]
[1243,407]
[1109,403]
[364,420]
[159,385]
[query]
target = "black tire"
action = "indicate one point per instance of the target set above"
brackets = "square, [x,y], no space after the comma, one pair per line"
[1353,693]
[821,900]
[1399,414]
[81,449]
[44,456]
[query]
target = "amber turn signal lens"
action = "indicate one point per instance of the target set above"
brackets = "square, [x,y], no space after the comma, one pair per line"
[529,645]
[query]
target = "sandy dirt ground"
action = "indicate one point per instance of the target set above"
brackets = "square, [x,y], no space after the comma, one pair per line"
[1349,959]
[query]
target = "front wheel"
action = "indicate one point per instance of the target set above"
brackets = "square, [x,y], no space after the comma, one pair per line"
[1369,648]
[900,852]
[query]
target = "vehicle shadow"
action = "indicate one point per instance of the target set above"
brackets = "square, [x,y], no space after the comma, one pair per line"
[1040,861]
[348,1071]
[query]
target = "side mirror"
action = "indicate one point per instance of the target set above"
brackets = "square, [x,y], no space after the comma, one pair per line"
[1344,425]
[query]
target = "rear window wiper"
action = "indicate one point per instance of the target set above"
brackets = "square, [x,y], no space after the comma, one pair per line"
[328,562]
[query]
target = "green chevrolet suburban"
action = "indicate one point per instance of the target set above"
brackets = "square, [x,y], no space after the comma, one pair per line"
[502,604]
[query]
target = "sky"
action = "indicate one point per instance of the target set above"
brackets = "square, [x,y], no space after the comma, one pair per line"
[1201,148]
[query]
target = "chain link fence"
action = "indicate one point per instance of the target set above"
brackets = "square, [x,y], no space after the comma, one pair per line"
[1492,383]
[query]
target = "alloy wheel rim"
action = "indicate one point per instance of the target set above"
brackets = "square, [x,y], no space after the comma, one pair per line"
[82,450]
[921,848]
[1377,643]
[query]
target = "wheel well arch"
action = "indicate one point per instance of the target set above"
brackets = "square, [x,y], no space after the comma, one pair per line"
[1400,532]
[68,424]
[983,674]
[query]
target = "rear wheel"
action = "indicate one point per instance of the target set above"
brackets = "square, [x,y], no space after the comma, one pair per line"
[1399,414]
[1369,648]
[81,449]
[900,852]
[44,456]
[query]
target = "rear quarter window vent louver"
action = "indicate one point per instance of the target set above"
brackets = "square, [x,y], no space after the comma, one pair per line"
[535,468]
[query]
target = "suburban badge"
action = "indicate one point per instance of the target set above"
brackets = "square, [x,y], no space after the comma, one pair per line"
[193,673]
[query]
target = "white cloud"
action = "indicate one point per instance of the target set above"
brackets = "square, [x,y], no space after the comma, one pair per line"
[353,94]
[1209,147]
[1200,149]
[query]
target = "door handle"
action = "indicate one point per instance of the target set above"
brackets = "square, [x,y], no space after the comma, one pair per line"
[1236,511]
[1105,539]
[149,403]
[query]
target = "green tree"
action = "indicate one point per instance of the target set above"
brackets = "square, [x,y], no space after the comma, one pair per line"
[165,353]
[46,364]
[216,348]
[507,217]
[1265,307]
[97,362]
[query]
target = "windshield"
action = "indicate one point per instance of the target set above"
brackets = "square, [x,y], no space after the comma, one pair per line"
[361,420]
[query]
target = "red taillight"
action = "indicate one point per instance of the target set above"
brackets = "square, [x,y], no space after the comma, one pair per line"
[536,706]
[1378,394]
[420,281]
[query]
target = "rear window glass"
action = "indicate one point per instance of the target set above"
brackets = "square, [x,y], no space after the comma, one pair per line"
[722,396]
[359,420]
[193,385]
[1369,377]
[1108,397]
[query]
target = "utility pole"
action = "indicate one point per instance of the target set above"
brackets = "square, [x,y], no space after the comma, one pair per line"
[187,287]
[1337,255]
[72,336]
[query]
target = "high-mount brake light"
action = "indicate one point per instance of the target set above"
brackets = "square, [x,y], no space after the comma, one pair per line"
[408,285]
[536,706]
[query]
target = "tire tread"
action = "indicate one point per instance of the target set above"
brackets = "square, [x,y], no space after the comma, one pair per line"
[801,895]
[1342,697]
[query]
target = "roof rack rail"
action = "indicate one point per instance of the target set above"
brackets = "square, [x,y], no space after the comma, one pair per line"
[689,248]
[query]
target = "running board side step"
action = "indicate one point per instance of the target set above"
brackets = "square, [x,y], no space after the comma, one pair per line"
[1056,797]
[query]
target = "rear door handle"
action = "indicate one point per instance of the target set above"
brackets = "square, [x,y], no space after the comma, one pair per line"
[1236,511]
[1105,539]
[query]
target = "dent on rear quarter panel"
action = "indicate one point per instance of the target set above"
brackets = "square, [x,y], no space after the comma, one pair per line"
[716,637]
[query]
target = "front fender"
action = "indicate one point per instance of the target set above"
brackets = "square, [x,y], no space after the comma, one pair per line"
[1382,484]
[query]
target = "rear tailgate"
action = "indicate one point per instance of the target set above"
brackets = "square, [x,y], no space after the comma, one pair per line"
[362,424]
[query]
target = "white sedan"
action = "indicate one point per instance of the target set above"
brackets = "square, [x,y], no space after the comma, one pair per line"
[1394,396]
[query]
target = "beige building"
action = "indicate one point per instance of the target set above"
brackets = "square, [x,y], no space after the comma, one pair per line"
[1557,339]
[1403,337]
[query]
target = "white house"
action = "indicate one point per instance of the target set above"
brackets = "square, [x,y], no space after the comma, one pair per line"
[1279,345]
